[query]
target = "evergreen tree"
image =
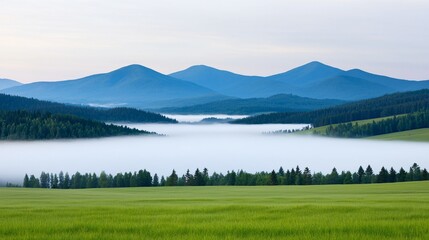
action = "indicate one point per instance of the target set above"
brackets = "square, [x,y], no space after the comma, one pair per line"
[281,172]
[155,182]
[102,181]
[425,175]
[61,180]
[230,178]
[348,178]
[333,177]
[163,182]
[273,178]
[402,175]
[392,175]
[368,174]
[298,176]
[198,178]
[172,180]
[44,180]
[307,178]
[383,176]
[361,175]
[67,181]
[26,183]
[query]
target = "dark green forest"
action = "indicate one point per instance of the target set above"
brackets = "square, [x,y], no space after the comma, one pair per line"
[390,125]
[388,105]
[21,125]
[121,114]
[276,103]
[294,176]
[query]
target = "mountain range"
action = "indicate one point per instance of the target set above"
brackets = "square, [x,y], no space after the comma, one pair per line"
[7,83]
[139,86]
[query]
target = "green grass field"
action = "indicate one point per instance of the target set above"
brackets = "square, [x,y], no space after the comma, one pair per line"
[321,130]
[419,135]
[375,211]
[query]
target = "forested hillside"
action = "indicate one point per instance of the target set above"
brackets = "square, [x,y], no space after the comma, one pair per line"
[388,105]
[13,103]
[276,103]
[21,125]
[390,125]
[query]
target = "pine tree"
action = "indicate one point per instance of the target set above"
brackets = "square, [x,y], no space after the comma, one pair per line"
[273,178]
[361,175]
[307,178]
[155,182]
[162,183]
[392,175]
[26,183]
[368,174]
[172,180]
[348,178]
[402,175]
[61,180]
[383,176]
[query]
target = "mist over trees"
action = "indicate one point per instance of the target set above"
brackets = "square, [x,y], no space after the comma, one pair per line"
[294,176]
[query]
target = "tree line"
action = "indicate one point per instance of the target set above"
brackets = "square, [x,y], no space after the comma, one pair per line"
[294,176]
[388,105]
[120,114]
[390,125]
[22,125]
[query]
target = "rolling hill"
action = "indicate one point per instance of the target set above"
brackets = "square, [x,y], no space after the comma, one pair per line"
[132,85]
[7,83]
[276,103]
[14,103]
[388,105]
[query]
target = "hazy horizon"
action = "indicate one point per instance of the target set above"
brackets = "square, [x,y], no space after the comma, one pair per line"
[60,40]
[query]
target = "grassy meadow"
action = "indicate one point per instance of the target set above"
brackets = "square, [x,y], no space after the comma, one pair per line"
[419,135]
[375,211]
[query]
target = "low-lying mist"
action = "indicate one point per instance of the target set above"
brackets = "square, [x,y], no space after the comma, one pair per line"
[219,147]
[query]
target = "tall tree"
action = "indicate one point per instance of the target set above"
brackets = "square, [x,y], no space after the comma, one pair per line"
[26,183]
[172,179]
[273,178]
[155,182]
[368,174]
[361,174]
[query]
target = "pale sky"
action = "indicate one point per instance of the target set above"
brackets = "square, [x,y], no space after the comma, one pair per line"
[63,39]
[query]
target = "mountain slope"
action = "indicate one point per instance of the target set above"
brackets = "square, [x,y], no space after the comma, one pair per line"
[7,83]
[277,103]
[132,85]
[307,74]
[14,103]
[346,88]
[232,84]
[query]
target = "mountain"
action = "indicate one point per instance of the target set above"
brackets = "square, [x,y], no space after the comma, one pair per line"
[313,80]
[132,85]
[346,88]
[14,103]
[307,74]
[387,105]
[400,85]
[7,83]
[232,84]
[276,103]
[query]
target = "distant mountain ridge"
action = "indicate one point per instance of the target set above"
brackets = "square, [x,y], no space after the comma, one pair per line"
[7,83]
[313,80]
[142,87]
[134,85]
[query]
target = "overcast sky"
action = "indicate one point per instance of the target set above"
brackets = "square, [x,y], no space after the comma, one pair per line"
[63,39]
